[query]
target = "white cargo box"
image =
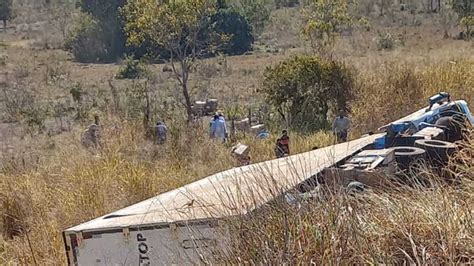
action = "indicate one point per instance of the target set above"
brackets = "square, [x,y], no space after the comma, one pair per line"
[182,226]
[241,150]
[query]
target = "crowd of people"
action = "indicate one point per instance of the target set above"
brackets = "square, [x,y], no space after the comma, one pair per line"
[218,131]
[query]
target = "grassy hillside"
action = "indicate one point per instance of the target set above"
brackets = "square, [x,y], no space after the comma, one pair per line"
[49,182]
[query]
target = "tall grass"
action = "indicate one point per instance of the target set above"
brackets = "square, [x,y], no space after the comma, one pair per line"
[391,90]
[70,185]
[404,226]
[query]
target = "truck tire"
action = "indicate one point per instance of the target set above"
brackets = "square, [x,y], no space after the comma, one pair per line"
[405,156]
[437,151]
[454,126]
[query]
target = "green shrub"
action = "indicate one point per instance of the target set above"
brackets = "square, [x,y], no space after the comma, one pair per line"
[98,35]
[256,12]
[85,41]
[286,3]
[303,90]
[131,69]
[236,26]
[110,23]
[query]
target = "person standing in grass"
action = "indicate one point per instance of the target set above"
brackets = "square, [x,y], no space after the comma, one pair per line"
[218,129]
[282,148]
[341,126]
[91,137]
[161,132]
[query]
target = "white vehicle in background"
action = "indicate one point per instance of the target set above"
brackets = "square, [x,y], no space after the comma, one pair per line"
[186,225]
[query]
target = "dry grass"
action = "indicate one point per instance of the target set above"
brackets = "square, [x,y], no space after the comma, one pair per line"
[390,225]
[49,183]
[406,226]
[392,90]
[72,185]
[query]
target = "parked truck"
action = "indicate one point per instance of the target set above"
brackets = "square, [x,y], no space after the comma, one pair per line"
[187,224]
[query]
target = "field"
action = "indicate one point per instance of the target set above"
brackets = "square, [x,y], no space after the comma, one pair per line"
[49,182]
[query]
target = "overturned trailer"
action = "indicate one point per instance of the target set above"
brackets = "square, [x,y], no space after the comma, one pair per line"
[184,226]
[180,226]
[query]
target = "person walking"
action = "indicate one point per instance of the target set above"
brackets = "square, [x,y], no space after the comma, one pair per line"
[161,132]
[341,126]
[282,148]
[91,137]
[218,129]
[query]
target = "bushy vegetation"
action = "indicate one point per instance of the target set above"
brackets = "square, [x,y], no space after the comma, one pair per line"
[286,3]
[257,13]
[85,41]
[324,21]
[304,89]
[231,23]
[109,24]
[132,69]
[49,182]
[101,38]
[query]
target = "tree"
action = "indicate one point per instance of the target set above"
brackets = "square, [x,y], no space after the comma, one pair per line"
[178,27]
[464,8]
[255,11]
[85,40]
[231,23]
[303,90]
[324,20]
[106,14]
[468,22]
[5,12]
[447,20]
[61,15]
[286,3]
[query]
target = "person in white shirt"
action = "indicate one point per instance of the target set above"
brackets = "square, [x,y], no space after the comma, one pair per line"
[218,129]
[341,126]
[161,132]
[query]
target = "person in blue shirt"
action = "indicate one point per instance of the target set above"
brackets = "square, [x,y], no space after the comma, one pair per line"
[218,129]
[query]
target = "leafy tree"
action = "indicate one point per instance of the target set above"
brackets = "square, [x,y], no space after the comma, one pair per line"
[180,28]
[468,22]
[85,40]
[464,8]
[324,20]
[447,19]
[132,69]
[286,3]
[5,11]
[303,89]
[108,26]
[231,23]
[255,11]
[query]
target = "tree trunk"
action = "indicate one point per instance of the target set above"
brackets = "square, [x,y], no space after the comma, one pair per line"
[187,98]
[147,115]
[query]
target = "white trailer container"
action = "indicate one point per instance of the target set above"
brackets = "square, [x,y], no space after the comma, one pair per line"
[184,226]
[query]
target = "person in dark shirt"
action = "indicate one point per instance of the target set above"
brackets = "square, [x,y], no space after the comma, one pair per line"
[282,148]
